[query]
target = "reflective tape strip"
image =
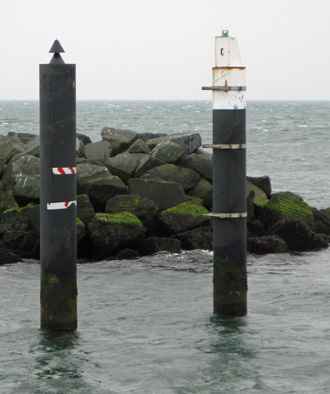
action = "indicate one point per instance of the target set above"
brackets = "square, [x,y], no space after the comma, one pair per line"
[225,146]
[227,215]
[64,170]
[60,205]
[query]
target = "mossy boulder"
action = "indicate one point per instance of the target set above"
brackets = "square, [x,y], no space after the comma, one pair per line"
[102,188]
[146,162]
[204,191]
[119,140]
[199,238]
[139,146]
[260,198]
[159,244]
[123,165]
[85,210]
[172,173]
[168,152]
[286,205]
[142,207]
[10,146]
[26,189]
[267,244]
[86,172]
[17,231]
[111,232]
[298,235]
[321,221]
[7,257]
[182,217]
[7,200]
[263,183]
[201,162]
[164,194]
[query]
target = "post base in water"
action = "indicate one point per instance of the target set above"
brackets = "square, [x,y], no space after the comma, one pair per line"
[58,299]
[232,305]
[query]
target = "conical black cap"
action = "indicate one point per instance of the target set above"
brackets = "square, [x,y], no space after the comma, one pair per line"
[56,47]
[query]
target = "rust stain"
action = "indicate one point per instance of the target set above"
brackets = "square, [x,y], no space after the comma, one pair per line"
[68,243]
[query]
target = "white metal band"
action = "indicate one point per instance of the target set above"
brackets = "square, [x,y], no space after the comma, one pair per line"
[225,146]
[60,205]
[227,215]
[64,170]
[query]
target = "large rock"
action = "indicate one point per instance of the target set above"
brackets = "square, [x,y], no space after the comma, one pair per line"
[139,146]
[321,221]
[17,232]
[204,191]
[148,136]
[267,244]
[119,139]
[168,152]
[201,162]
[199,238]
[7,257]
[263,183]
[109,233]
[185,216]
[123,165]
[142,207]
[159,244]
[172,173]
[98,152]
[286,205]
[24,165]
[85,210]
[146,162]
[26,189]
[22,178]
[10,146]
[25,138]
[165,194]
[298,235]
[102,188]
[190,142]
[259,198]
[86,172]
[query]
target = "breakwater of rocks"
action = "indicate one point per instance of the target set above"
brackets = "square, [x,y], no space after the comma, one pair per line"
[141,193]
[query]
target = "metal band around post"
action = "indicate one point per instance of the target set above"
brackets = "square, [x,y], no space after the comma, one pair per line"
[227,215]
[225,88]
[225,146]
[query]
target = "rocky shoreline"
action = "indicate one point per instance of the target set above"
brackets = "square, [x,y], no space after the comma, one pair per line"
[142,193]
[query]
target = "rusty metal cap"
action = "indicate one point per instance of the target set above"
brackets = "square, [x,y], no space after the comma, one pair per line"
[56,47]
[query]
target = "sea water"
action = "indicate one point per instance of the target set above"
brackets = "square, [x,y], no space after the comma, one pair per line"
[146,325]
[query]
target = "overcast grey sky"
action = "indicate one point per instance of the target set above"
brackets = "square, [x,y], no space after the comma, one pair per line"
[164,49]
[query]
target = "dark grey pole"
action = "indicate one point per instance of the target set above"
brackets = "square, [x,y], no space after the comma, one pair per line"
[229,179]
[58,246]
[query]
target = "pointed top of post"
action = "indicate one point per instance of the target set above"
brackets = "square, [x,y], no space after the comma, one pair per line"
[56,49]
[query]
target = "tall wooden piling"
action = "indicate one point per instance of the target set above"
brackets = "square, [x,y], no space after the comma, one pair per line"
[229,179]
[58,246]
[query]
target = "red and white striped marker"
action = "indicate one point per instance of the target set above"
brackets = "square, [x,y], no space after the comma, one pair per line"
[60,205]
[64,170]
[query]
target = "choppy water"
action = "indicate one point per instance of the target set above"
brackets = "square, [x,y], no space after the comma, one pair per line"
[287,140]
[146,326]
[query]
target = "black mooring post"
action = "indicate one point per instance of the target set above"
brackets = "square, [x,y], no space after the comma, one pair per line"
[58,246]
[229,179]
